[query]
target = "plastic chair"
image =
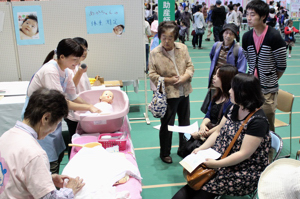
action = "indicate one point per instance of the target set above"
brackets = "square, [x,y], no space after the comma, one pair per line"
[285,102]
[276,144]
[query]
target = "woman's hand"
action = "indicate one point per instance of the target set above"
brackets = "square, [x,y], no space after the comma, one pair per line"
[211,163]
[81,70]
[180,80]
[196,150]
[203,130]
[75,184]
[58,180]
[171,80]
[93,109]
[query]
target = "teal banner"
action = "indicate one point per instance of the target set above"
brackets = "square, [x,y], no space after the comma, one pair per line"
[166,10]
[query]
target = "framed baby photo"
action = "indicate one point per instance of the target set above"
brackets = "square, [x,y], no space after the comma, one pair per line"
[28,23]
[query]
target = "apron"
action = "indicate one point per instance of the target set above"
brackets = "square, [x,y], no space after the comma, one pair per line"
[53,143]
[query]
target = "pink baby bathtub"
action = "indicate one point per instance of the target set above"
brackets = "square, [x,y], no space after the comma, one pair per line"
[106,123]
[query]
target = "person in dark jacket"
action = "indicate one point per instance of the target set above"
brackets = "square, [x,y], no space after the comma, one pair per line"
[177,14]
[218,17]
[187,18]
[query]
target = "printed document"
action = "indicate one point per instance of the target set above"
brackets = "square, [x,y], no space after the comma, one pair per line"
[192,161]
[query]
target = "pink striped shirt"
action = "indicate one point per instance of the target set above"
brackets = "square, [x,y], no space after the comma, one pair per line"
[258,40]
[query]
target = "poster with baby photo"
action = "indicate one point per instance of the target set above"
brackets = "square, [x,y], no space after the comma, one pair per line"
[29,27]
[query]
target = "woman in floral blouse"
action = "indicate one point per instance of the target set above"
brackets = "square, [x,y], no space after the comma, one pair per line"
[172,61]
[238,173]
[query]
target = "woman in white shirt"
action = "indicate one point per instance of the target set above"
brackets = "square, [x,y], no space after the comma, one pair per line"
[231,16]
[199,26]
[55,74]
[24,166]
[81,82]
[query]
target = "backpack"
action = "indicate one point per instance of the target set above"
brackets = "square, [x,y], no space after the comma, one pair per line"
[235,51]
[271,21]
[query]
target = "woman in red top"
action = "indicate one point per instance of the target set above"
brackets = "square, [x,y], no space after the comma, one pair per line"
[289,32]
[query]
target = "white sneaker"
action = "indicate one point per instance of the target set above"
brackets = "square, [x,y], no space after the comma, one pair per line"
[290,55]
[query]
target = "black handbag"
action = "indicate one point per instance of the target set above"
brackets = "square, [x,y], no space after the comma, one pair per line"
[206,102]
[189,146]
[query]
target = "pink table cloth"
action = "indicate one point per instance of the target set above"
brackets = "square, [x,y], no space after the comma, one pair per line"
[133,185]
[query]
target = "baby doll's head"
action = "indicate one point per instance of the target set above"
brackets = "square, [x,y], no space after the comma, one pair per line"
[118,30]
[107,96]
[30,25]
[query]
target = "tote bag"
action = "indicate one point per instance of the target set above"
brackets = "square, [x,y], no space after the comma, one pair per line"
[158,105]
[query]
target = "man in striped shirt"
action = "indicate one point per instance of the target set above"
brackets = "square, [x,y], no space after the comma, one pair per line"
[264,49]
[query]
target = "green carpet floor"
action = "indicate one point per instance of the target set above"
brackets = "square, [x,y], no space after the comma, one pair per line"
[162,181]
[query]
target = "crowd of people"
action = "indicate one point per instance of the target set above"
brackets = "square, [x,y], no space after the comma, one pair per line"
[232,95]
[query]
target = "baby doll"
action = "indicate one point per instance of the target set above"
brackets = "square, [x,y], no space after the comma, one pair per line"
[106,99]
[29,27]
[118,30]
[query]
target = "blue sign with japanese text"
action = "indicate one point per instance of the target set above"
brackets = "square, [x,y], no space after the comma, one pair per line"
[103,19]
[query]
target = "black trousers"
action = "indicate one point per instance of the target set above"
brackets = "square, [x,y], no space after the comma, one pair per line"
[216,31]
[187,192]
[72,130]
[195,40]
[54,166]
[181,107]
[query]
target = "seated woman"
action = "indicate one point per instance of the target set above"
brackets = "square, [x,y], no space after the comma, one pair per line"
[24,162]
[217,107]
[239,172]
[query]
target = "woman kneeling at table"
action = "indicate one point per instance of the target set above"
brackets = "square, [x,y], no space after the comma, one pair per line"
[238,173]
[24,165]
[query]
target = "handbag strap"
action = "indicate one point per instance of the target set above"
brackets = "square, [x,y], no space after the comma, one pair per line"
[237,134]
[162,83]
[220,112]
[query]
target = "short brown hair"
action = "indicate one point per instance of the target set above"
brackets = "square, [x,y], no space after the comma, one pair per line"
[168,25]
[46,100]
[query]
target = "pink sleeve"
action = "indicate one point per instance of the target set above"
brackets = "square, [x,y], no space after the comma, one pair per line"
[38,179]
[71,89]
[52,81]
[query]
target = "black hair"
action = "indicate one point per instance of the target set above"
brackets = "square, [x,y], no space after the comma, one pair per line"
[199,7]
[272,10]
[238,4]
[168,25]
[230,7]
[260,7]
[81,41]
[66,47]
[226,73]
[176,6]
[289,21]
[43,101]
[241,9]
[32,17]
[271,3]
[247,91]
